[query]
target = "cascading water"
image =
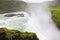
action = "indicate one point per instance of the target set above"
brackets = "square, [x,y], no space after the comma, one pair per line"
[14,22]
[40,22]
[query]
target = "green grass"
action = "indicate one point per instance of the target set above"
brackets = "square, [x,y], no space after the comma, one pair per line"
[6,34]
[56,15]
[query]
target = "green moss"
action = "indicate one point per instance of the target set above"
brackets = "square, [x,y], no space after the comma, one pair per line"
[6,34]
[56,15]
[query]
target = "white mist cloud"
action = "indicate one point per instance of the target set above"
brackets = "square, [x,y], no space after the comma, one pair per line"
[41,22]
[35,1]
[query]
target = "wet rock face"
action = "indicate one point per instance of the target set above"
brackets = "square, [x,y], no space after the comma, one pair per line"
[6,34]
[11,15]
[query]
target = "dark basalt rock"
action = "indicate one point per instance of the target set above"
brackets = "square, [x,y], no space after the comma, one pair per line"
[9,15]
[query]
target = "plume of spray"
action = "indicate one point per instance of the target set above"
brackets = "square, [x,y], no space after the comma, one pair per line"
[40,22]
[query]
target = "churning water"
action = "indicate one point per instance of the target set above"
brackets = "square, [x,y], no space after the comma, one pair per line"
[37,19]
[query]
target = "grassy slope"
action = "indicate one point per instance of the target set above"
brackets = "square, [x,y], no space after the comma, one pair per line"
[11,6]
[56,15]
[6,34]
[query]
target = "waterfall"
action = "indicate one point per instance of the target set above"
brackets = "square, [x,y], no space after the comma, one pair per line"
[40,22]
[37,19]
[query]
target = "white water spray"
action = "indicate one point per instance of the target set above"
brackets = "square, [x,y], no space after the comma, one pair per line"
[41,23]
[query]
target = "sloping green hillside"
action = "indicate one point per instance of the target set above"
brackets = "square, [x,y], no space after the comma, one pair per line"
[6,34]
[56,15]
[7,6]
